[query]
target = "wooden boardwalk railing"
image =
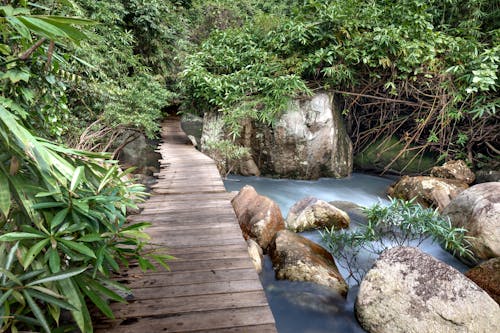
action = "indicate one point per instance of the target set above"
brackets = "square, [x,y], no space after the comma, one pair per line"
[212,285]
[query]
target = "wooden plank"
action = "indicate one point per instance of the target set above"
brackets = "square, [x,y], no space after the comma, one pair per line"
[196,321]
[143,280]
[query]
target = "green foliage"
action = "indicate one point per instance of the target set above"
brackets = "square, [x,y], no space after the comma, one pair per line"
[62,211]
[401,223]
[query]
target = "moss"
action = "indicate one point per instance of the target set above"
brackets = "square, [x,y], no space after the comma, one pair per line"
[379,154]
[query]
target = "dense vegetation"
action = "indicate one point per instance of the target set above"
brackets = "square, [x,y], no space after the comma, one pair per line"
[80,79]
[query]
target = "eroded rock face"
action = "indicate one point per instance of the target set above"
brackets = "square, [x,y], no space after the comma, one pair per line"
[312,213]
[487,276]
[454,170]
[296,258]
[478,210]
[429,191]
[409,291]
[259,217]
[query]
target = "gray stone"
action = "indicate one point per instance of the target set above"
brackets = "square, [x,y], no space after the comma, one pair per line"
[477,209]
[296,258]
[311,213]
[408,291]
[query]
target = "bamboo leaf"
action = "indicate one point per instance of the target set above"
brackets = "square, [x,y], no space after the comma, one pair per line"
[74,296]
[91,238]
[83,249]
[33,252]
[77,178]
[58,218]
[5,296]
[54,261]
[59,276]
[36,310]
[97,300]
[5,198]
[13,236]
[51,299]
[66,19]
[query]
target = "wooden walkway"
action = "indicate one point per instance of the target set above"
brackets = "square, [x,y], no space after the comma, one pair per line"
[212,285]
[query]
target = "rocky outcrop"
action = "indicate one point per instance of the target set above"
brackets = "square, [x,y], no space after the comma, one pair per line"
[457,170]
[259,217]
[308,141]
[477,209]
[428,191]
[255,253]
[487,176]
[487,276]
[296,258]
[409,291]
[312,213]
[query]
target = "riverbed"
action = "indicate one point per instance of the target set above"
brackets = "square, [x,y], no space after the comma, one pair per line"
[303,307]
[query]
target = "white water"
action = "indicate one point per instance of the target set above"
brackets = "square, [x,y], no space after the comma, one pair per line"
[302,307]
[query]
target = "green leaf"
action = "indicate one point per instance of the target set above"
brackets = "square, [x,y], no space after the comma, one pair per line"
[51,299]
[83,249]
[74,297]
[13,236]
[58,218]
[77,178]
[54,261]
[15,75]
[91,238]
[59,276]
[5,296]
[5,199]
[36,310]
[96,299]
[44,205]
[67,20]
[33,252]
[20,27]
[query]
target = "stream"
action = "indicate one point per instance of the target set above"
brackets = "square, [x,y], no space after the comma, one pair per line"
[304,307]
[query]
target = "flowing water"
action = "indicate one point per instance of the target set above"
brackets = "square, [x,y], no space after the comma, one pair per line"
[303,307]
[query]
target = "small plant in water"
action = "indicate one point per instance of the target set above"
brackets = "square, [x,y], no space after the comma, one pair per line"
[401,223]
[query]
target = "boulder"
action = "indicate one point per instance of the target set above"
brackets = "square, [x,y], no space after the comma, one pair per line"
[259,217]
[408,291]
[477,209]
[487,276]
[454,170]
[255,253]
[308,141]
[297,258]
[312,213]
[428,191]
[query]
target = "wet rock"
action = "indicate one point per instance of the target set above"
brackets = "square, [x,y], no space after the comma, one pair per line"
[312,213]
[296,258]
[454,170]
[247,167]
[428,191]
[487,276]
[410,291]
[478,210]
[354,210]
[259,217]
[255,253]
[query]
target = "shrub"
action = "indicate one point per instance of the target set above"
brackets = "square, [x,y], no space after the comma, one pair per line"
[401,223]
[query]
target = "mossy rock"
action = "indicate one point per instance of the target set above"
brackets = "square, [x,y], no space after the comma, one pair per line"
[379,154]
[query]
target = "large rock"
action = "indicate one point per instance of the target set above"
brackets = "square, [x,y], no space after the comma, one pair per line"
[428,191]
[297,258]
[408,291]
[454,170]
[487,276]
[312,213]
[259,217]
[308,141]
[477,209]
